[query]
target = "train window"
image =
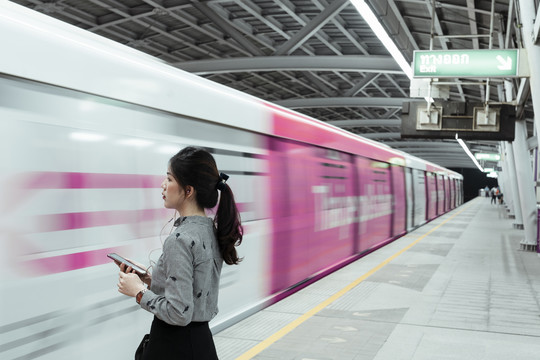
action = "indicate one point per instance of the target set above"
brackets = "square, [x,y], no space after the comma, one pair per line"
[333,177]
[379,165]
[379,168]
[339,166]
[336,166]
[334,171]
[330,154]
[333,154]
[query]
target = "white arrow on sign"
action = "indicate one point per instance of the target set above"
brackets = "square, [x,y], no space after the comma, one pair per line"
[505,64]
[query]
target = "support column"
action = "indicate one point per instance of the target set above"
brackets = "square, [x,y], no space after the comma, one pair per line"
[511,170]
[525,182]
[527,13]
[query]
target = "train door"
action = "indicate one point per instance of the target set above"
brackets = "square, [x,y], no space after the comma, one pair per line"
[290,200]
[375,203]
[431,195]
[314,211]
[454,193]
[409,186]
[449,194]
[400,202]
[335,211]
[459,192]
[440,194]
[420,198]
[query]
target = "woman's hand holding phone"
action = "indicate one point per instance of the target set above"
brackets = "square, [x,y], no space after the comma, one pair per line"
[129,283]
[128,266]
[146,277]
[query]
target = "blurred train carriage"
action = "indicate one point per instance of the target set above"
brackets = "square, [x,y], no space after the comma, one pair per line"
[86,129]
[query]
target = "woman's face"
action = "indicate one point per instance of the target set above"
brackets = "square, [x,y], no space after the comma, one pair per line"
[173,193]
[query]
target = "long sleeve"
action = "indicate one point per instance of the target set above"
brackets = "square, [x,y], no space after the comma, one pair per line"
[175,305]
[185,282]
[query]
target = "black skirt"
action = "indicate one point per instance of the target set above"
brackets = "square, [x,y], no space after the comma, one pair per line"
[193,341]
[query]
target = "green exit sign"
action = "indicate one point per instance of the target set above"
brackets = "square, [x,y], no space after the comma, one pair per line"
[466,63]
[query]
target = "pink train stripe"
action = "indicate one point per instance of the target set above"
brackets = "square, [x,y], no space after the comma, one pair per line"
[81,220]
[75,261]
[68,262]
[73,180]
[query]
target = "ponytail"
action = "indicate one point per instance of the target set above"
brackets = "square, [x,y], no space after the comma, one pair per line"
[229,228]
[197,167]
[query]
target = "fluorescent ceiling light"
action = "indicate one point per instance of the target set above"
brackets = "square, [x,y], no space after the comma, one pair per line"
[466,149]
[376,27]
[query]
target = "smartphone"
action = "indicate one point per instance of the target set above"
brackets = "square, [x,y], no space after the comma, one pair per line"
[122,260]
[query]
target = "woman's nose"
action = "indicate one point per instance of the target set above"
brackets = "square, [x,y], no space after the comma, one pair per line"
[163,183]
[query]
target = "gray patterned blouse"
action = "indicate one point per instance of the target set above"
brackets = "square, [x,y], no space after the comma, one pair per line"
[185,281]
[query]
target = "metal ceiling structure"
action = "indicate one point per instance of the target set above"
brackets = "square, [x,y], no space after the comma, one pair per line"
[318,57]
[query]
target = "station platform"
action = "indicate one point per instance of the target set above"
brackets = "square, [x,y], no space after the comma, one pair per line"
[459,287]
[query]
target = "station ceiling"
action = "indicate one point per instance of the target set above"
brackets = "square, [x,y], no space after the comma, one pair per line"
[318,57]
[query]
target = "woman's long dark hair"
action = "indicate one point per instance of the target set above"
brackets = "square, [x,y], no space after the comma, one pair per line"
[196,167]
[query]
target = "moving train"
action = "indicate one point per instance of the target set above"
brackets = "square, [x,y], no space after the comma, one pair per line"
[87,127]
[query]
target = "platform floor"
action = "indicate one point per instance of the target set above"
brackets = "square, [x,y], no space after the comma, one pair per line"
[457,288]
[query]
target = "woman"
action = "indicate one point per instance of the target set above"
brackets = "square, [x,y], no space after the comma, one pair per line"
[183,289]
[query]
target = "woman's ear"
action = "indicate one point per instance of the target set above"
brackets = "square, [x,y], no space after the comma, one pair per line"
[189,191]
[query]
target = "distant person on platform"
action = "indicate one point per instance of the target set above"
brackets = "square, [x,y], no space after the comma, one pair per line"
[486,191]
[493,195]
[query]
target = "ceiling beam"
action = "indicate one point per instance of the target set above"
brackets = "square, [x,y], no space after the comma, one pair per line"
[312,27]
[227,27]
[343,102]
[383,135]
[362,63]
[361,84]
[443,41]
[472,23]
[365,122]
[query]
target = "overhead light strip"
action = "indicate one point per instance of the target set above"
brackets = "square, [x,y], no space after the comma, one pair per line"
[466,149]
[365,11]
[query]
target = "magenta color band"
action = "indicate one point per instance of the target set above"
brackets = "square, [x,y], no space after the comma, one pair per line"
[73,180]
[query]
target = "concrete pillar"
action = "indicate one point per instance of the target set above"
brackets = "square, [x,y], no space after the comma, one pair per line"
[528,11]
[511,171]
[510,193]
[526,185]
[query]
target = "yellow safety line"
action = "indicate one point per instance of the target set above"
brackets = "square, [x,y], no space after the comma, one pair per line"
[292,325]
